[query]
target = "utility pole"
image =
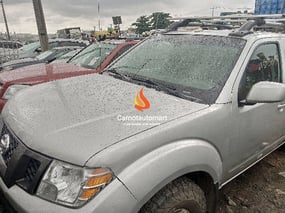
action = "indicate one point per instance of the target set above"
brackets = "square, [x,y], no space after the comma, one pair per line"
[99,22]
[41,24]
[213,11]
[5,20]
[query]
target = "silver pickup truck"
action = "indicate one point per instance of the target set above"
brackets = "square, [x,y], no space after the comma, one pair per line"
[164,128]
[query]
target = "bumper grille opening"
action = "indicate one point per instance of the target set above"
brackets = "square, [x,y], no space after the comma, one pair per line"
[24,167]
[31,170]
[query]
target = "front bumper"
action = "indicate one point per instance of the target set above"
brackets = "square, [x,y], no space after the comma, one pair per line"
[18,185]
[115,198]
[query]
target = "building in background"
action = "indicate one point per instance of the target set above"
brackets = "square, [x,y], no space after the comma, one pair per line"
[71,32]
[269,7]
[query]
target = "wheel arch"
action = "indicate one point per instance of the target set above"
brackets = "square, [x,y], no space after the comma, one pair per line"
[210,189]
[195,159]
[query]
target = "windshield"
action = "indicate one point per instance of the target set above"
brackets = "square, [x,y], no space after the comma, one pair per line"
[195,65]
[93,55]
[65,57]
[45,55]
[31,46]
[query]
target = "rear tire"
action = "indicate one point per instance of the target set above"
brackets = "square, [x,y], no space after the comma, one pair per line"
[179,196]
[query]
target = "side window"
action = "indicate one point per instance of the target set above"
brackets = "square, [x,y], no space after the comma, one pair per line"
[264,65]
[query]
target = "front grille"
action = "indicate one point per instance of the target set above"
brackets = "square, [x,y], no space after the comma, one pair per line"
[7,154]
[31,170]
[24,167]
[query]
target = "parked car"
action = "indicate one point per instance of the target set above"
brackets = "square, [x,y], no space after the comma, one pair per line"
[10,44]
[161,130]
[9,50]
[33,49]
[45,57]
[92,59]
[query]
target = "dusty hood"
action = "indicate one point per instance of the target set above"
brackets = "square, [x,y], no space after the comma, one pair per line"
[75,118]
[39,71]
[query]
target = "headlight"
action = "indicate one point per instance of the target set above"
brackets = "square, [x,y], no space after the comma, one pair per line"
[71,185]
[12,90]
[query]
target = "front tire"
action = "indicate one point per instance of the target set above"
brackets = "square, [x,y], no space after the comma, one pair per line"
[179,196]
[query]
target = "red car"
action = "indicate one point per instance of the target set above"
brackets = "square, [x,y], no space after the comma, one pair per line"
[92,59]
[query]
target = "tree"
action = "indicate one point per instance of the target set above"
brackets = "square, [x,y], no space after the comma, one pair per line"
[142,24]
[159,20]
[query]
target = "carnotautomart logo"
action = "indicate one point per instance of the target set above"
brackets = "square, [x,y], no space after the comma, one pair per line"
[141,104]
[141,101]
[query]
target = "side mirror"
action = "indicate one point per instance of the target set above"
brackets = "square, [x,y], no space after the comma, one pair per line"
[38,50]
[266,92]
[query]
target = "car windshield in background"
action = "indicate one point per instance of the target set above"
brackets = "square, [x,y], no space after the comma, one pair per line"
[65,57]
[45,54]
[193,67]
[93,55]
[30,46]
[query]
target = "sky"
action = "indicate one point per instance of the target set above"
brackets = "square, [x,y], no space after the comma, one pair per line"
[84,13]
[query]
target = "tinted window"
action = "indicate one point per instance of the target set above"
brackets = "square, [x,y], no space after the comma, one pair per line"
[264,65]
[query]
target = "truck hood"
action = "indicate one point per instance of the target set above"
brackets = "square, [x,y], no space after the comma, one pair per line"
[47,72]
[73,119]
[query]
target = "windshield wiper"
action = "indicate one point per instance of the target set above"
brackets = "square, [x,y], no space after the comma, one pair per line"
[187,94]
[167,88]
[86,66]
[116,74]
[151,83]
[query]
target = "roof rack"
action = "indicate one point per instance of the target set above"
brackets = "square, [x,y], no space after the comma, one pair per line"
[246,24]
[251,17]
[193,22]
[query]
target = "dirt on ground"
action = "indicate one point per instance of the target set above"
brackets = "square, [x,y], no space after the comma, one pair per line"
[260,189]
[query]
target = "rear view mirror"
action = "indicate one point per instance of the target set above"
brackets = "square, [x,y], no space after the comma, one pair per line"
[266,92]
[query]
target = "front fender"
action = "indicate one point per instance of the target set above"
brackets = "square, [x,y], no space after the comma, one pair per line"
[153,171]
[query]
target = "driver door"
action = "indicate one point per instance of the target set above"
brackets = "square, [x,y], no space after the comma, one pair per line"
[256,127]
